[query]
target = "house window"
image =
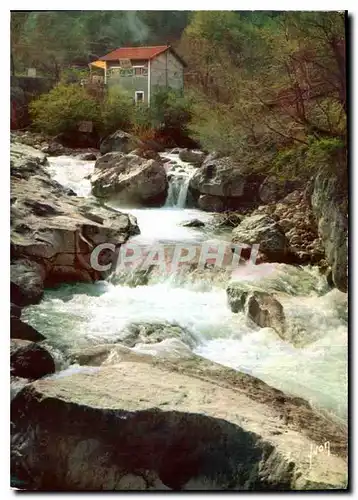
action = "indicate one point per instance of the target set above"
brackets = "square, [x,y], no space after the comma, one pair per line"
[140,71]
[139,97]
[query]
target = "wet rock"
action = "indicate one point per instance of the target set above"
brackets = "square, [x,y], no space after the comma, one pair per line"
[193,223]
[30,360]
[196,158]
[178,426]
[27,282]
[120,142]
[211,203]
[266,311]
[131,179]
[264,231]
[16,385]
[21,330]
[88,157]
[151,332]
[275,278]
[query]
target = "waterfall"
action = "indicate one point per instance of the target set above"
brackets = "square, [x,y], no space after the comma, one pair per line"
[179,174]
[178,191]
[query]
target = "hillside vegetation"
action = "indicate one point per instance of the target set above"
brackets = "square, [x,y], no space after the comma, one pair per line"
[268,88]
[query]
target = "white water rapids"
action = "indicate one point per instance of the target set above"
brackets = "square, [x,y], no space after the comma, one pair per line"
[82,314]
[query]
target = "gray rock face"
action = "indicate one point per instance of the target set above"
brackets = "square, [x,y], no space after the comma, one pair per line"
[272,189]
[329,204]
[168,426]
[30,360]
[121,142]
[219,177]
[53,234]
[196,158]
[265,231]
[227,181]
[130,178]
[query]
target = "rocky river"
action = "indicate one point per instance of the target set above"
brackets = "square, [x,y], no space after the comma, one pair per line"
[169,381]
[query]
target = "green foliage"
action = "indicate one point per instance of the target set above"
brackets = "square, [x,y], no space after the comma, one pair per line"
[117,111]
[66,105]
[267,85]
[169,109]
[301,162]
[63,108]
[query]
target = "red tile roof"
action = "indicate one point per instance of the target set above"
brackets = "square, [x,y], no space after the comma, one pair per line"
[134,53]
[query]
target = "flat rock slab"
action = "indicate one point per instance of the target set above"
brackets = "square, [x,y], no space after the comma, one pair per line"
[149,425]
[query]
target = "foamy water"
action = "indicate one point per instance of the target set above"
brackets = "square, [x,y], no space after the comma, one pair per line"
[87,314]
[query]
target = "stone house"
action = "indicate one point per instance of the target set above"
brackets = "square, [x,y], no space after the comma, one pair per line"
[141,70]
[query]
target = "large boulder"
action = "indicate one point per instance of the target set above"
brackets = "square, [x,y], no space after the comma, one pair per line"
[30,360]
[130,179]
[330,206]
[53,234]
[228,180]
[196,158]
[120,142]
[160,425]
[264,231]
[210,203]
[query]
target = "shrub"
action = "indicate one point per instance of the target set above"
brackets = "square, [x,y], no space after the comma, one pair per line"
[117,111]
[169,109]
[63,108]
[304,160]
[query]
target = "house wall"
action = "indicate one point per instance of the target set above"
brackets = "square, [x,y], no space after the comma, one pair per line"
[129,83]
[166,71]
